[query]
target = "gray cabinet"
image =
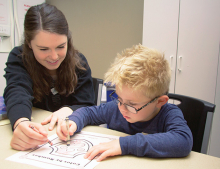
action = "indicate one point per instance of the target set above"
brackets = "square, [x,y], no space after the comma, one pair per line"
[160,29]
[188,32]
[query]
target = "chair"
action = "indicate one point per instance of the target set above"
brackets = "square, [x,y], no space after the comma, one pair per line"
[196,114]
[97,84]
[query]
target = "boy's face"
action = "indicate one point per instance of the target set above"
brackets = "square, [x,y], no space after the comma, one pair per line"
[136,99]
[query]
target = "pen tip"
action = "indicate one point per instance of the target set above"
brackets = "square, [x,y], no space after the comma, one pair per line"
[50,142]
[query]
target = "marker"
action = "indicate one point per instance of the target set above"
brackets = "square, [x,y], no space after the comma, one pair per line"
[68,136]
[32,127]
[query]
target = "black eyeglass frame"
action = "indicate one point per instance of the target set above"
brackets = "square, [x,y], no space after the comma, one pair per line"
[113,98]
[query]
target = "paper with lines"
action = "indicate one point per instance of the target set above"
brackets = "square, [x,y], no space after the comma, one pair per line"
[59,155]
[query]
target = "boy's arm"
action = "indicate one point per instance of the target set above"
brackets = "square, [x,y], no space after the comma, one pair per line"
[176,141]
[77,120]
[93,115]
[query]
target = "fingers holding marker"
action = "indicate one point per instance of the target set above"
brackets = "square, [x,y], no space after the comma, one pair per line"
[68,134]
[36,130]
[61,129]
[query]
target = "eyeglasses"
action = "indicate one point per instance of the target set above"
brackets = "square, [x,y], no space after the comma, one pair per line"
[128,107]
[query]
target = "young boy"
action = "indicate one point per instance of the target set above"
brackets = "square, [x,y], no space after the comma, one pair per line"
[141,76]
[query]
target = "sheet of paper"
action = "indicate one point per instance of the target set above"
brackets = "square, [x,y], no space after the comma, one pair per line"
[59,155]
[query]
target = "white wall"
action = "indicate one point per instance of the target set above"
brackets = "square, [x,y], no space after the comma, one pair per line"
[103,28]
[3,59]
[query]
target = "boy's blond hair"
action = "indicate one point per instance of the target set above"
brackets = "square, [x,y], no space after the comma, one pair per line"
[141,68]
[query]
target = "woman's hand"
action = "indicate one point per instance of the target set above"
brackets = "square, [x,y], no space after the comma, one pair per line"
[107,149]
[57,115]
[25,138]
[62,131]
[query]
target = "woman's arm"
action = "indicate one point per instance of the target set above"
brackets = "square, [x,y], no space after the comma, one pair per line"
[18,94]
[18,97]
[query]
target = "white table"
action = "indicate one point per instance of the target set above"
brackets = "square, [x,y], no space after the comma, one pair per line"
[193,161]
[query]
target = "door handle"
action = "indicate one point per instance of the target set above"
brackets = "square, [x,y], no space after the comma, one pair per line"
[180,63]
[171,61]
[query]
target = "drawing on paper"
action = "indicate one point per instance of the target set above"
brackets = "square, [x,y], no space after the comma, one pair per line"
[59,155]
[77,147]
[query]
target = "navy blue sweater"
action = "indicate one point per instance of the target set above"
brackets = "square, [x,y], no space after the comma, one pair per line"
[168,133]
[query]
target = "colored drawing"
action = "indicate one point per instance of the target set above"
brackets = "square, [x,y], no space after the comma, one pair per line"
[59,155]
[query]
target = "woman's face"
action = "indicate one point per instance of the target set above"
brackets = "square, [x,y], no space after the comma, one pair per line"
[49,49]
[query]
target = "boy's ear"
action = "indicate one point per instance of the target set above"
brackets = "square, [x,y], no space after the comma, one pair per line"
[162,100]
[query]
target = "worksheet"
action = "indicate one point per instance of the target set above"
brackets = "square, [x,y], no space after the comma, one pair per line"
[59,155]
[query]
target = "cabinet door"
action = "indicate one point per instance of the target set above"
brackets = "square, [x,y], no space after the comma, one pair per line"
[160,28]
[198,48]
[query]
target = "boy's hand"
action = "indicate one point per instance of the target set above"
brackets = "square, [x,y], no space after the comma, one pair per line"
[111,148]
[62,131]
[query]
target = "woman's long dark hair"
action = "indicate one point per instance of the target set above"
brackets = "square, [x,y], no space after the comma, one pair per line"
[48,18]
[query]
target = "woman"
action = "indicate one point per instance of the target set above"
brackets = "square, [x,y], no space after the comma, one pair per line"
[45,72]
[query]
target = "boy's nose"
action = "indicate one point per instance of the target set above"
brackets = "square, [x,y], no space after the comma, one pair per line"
[122,107]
